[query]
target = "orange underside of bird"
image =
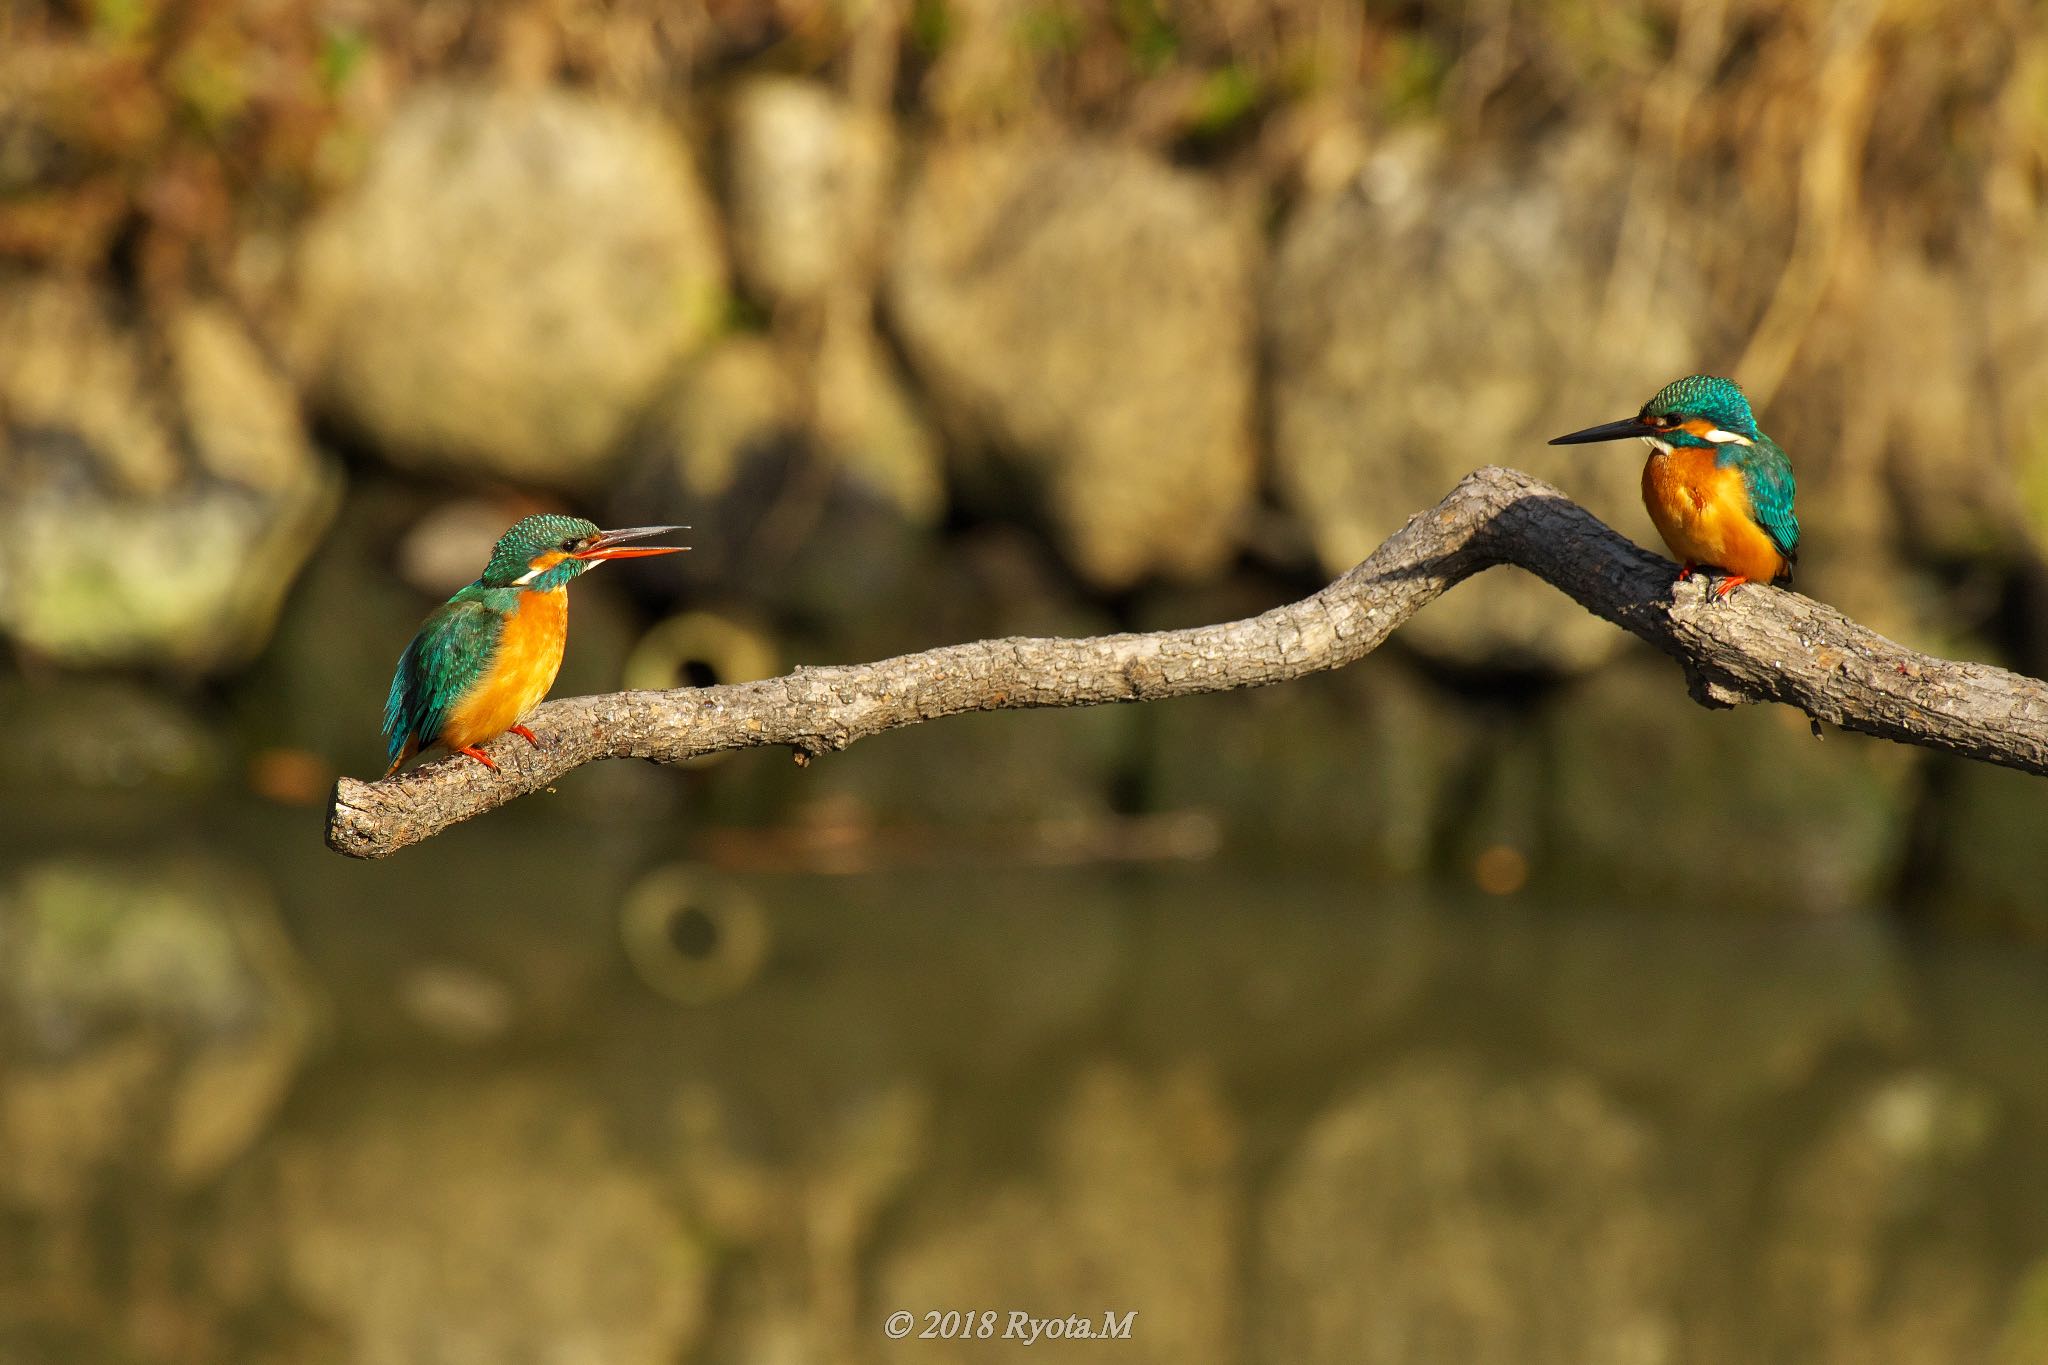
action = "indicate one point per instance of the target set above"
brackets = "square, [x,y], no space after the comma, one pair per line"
[1702,509]
[521,671]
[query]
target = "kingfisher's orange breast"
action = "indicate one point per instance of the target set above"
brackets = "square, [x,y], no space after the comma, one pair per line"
[1702,511]
[520,672]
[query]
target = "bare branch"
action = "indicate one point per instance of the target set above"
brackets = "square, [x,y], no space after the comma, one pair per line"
[1760,644]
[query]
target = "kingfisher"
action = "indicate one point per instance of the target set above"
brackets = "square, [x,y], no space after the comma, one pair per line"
[1719,489]
[486,656]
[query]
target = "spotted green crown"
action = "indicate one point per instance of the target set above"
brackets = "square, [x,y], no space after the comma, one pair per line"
[1720,401]
[530,538]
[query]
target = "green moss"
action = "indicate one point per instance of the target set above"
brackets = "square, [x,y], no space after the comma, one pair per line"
[210,87]
[2025,1336]
[121,21]
[2031,465]
[931,26]
[1150,34]
[342,50]
[740,313]
[1412,74]
[1227,97]
[1049,28]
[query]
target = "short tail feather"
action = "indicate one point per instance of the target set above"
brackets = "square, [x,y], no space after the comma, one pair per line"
[405,751]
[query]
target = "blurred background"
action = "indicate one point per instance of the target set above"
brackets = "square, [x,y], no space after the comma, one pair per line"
[1485,1002]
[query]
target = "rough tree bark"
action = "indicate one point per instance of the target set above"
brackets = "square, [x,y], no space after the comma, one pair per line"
[1759,644]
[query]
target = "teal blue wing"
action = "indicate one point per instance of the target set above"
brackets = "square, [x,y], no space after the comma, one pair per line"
[1767,475]
[451,651]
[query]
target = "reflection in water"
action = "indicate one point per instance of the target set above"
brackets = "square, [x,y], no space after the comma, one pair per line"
[743,1117]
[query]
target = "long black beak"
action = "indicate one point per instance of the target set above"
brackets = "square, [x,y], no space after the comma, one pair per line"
[611,544]
[1607,431]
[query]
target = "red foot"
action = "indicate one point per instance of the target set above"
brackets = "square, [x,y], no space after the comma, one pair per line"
[478,754]
[1729,584]
[1685,571]
[529,736]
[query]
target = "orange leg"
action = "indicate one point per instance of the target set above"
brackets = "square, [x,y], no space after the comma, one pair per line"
[1685,571]
[1729,584]
[529,736]
[478,754]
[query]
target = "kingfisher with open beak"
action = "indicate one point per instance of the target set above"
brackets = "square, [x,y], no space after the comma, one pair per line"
[486,657]
[1719,489]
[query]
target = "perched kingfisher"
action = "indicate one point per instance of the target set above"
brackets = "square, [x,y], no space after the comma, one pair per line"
[1719,489]
[486,656]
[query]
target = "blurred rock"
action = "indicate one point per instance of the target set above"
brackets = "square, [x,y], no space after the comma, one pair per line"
[991,775]
[117,547]
[75,117]
[732,426]
[242,419]
[2024,1338]
[1468,1219]
[101,735]
[808,1220]
[1895,432]
[1926,436]
[808,467]
[1985,1007]
[1962,485]
[807,175]
[737,406]
[76,383]
[813,481]
[1440,316]
[509,283]
[1083,313]
[1798,823]
[486,1222]
[1325,964]
[1875,1255]
[1137,1211]
[458,1002]
[872,431]
[153,1020]
[1282,765]
[1038,963]
[447,548]
[980,69]
[1039,960]
[694,939]
[698,648]
[1645,1001]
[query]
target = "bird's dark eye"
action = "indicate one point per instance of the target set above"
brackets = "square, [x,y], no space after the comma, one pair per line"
[569,546]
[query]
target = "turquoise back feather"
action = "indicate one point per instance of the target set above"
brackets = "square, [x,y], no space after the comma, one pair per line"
[1767,477]
[451,652]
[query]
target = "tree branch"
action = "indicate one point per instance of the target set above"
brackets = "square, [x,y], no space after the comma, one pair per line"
[1760,644]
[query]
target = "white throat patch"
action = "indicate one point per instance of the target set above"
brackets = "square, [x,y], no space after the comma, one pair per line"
[1721,438]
